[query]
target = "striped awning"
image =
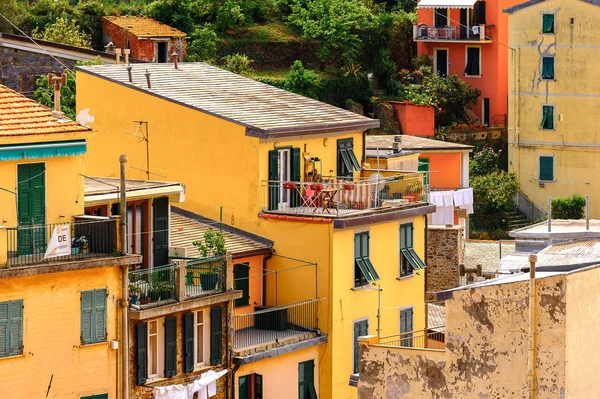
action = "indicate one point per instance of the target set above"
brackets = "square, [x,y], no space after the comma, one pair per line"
[446,3]
[42,150]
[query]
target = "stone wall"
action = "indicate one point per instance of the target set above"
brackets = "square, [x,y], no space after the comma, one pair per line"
[445,249]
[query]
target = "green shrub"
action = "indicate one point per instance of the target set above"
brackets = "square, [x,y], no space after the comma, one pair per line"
[301,81]
[568,208]
[203,45]
[238,63]
[279,83]
[484,161]
[494,192]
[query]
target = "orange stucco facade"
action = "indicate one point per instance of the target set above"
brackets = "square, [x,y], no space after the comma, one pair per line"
[255,283]
[445,170]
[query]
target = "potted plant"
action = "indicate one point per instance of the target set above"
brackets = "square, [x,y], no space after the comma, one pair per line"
[134,293]
[212,246]
[413,191]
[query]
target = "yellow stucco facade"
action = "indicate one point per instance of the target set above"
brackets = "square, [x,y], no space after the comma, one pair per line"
[224,169]
[571,143]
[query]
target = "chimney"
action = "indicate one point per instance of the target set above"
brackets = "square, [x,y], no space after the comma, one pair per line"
[397,144]
[118,55]
[110,48]
[57,82]
[129,68]
[174,57]
[126,52]
[148,79]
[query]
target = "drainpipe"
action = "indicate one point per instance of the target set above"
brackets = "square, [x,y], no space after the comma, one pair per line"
[549,214]
[125,269]
[587,213]
[532,341]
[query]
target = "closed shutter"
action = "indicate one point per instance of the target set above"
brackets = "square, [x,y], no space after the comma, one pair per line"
[31,195]
[161,231]
[357,330]
[141,353]
[546,169]
[302,386]
[170,346]
[99,316]
[188,342]
[306,380]
[4,328]
[481,20]
[241,274]
[273,180]
[216,332]
[547,67]
[258,386]
[87,317]
[409,320]
[16,327]
[243,387]
[424,167]
[296,171]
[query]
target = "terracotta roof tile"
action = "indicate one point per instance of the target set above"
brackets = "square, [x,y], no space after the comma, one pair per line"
[145,27]
[20,116]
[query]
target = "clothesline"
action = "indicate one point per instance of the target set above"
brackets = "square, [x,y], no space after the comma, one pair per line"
[205,386]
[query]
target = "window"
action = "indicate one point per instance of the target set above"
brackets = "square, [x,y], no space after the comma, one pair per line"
[93,316]
[137,229]
[547,117]
[441,17]
[364,272]
[250,386]
[346,160]
[424,167]
[11,328]
[98,210]
[406,327]
[547,67]
[306,380]
[241,278]
[98,396]
[361,328]
[473,62]
[547,23]
[202,338]
[409,260]
[479,13]
[155,343]
[546,168]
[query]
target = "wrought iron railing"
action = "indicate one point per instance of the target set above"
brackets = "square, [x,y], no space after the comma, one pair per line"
[273,324]
[452,32]
[27,245]
[205,276]
[433,338]
[149,286]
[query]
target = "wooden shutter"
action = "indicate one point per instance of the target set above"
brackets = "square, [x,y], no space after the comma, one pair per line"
[161,231]
[258,386]
[31,196]
[403,321]
[4,329]
[99,333]
[302,385]
[273,179]
[365,244]
[141,353]
[296,171]
[241,274]
[481,13]
[243,387]
[16,327]
[216,332]
[87,317]
[188,342]
[546,169]
[170,346]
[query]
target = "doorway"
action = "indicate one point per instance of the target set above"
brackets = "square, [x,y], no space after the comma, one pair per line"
[284,174]
[485,112]
[163,52]
[441,61]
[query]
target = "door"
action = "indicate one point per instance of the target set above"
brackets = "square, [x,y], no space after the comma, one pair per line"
[464,22]
[163,53]
[441,61]
[31,206]
[136,230]
[161,231]
[485,114]
[284,157]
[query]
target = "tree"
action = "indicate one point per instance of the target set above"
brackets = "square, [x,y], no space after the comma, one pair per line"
[89,17]
[484,161]
[175,13]
[203,45]
[494,192]
[238,63]
[44,93]
[301,81]
[44,13]
[11,11]
[64,31]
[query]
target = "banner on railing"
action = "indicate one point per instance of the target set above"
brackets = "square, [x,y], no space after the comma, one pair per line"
[60,242]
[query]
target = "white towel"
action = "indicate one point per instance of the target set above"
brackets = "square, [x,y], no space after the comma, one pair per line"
[171,392]
[199,387]
[448,200]
[468,194]
[459,197]
[443,215]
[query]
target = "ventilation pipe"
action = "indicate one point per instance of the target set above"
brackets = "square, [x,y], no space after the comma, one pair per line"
[147,74]
[57,82]
[397,144]
[118,55]
[129,68]
[175,57]
[532,338]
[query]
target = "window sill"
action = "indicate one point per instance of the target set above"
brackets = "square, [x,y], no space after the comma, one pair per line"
[201,368]
[473,76]
[154,380]
[360,287]
[93,345]
[12,357]
[405,277]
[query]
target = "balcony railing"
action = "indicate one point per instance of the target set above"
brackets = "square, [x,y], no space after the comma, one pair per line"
[27,245]
[204,275]
[295,321]
[149,286]
[433,33]
[342,196]
[433,338]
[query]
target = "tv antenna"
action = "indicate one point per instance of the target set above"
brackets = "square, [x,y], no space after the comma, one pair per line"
[143,135]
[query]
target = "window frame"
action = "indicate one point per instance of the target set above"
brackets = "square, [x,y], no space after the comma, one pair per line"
[467,61]
[159,350]
[346,165]
[553,24]
[206,340]
[553,117]
[251,386]
[540,168]
[9,322]
[362,262]
[435,51]
[553,58]
[94,339]
[407,253]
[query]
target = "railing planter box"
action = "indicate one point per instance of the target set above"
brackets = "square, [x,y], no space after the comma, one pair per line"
[208,281]
[274,321]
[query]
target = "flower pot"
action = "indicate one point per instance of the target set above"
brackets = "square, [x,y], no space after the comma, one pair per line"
[316,187]
[289,185]
[209,281]
[349,186]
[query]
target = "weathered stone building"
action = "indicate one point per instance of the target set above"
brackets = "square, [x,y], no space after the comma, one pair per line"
[444,255]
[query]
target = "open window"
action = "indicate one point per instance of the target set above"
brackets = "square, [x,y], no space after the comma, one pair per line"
[409,259]
[346,159]
[547,23]
[548,68]
[547,117]
[364,271]
[473,62]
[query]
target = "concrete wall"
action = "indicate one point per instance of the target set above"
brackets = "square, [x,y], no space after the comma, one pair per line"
[486,349]
[415,120]
[445,248]
[573,141]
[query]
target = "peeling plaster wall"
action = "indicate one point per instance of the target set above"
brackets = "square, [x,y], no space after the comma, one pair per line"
[486,349]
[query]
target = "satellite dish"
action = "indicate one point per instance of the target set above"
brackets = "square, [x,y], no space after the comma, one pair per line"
[377,178]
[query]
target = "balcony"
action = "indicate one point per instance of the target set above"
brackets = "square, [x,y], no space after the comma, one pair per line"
[451,33]
[432,338]
[336,197]
[90,237]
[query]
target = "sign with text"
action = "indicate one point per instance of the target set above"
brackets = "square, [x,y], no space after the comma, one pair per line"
[60,242]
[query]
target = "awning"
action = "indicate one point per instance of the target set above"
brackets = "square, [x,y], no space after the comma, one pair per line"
[42,150]
[446,3]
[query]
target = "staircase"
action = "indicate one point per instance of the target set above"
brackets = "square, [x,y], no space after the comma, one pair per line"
[516,220]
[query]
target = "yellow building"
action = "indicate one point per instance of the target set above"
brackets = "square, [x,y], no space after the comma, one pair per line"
[60,316]
[348,242]
[552,85]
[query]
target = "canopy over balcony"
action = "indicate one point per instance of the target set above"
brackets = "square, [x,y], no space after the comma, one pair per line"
[446,3]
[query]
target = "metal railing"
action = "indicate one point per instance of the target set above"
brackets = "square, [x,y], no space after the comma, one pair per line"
[272,324]
[421,339]
[205,275]
[452,32]
[27,245]
[149,286]
[339,196]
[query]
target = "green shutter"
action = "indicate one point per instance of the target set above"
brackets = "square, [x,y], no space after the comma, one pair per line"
[273,178]
[161,231]
[357,251]
[547,117]
[216,331]
[365,244]
[344,159]
[99,333]
[141,353]
[546,168]
[241,277]
[353,160]
[361,328]
[548,23]
[4,329]
[31,195]
[295,173]
[306,380]
[170,346]
[424,167]
[188,342]
[547,67]
[258,386]
[87,317]
[16,327]
[243,387]
[371,268]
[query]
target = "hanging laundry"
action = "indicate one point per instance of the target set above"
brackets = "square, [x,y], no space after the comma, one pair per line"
[206,385]
[171,392]
[197,387]
[443,215]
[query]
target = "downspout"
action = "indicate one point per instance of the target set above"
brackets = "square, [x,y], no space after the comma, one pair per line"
[532,338]
[232,385]
[125,270]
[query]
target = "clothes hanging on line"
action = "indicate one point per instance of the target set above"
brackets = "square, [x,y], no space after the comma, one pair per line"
[171,392]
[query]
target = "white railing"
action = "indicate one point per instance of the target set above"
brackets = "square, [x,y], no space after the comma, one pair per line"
[424,32]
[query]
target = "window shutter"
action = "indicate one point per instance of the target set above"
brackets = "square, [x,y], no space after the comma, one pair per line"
[87,316]
[547,117]
[141,352]
[410,319]
[296,170]
[547,67]
[273,177]
[258,386]
[357,250]
[99,332]
[302,391]
[243,387]
[548,23]
[216,339]
[241,274]
[481,13]
[170,346]
[410,231]
[352,155]
[4,327]
[365,245]
[546,169]
[161,231]
[188,342]
[403,321]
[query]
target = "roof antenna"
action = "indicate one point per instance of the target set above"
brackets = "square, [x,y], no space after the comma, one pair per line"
[175,57]
[148,79]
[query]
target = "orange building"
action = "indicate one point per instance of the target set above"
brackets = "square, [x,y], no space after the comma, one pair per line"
[469,38]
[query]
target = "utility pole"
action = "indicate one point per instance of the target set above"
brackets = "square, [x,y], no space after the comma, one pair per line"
[124,301]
